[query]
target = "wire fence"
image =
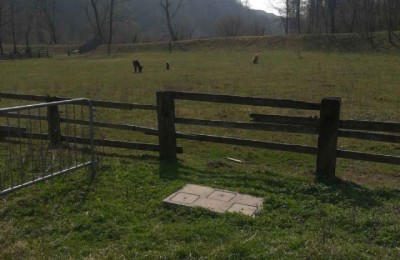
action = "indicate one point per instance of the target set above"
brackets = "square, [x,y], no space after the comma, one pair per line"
[41,141]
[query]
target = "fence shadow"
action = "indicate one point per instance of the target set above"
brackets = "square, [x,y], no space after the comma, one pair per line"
[266,184]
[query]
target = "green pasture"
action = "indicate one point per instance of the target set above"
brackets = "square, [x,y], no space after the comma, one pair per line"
[120,214]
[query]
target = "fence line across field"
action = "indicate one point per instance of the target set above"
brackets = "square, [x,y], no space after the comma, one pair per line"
[328,126]
[35,150]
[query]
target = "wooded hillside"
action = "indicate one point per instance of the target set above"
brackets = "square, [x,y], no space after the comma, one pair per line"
[76,21]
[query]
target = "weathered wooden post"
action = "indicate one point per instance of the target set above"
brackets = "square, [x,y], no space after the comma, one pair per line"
[53,121]
[328,138]
[166,125]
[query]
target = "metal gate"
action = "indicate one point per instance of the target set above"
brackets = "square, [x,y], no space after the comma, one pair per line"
[41,141]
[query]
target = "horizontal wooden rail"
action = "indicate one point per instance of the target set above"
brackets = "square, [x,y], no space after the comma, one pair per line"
[95,103]
[390,159]
[370,136]
[97,142]
[85,122]
[249,126]
[249,143]
[4,130]
[252,101]
[291,120]
[370,126]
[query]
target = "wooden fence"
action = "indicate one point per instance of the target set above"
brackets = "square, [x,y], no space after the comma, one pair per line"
[328,127]
[101,104]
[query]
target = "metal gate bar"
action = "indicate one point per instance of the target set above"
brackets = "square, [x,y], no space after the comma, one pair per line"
[34,150]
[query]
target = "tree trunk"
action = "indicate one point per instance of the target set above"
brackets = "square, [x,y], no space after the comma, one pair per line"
[111,26]
[298,5]
[97,18]
[1,47]
[1,26]
[12,21]
[333,15]
[166,5]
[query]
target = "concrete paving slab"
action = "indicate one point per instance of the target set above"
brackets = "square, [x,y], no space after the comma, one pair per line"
[216,200]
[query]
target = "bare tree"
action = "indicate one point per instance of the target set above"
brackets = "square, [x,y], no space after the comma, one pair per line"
[14,11]
[3,22]
[255,28]
[114,4]
[284,13]
[110,34]
[230,26]
[29,12]
[48,12]
[369,14]
[96,12]
[297,13]
[332,14]
[349,14]
[171,8]
[391,9]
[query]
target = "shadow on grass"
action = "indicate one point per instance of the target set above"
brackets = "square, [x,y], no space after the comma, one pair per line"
[352,193]
[266,183]
[143,157]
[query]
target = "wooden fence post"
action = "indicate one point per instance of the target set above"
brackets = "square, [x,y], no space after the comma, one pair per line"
[166,125]
[53,121]
[328,138]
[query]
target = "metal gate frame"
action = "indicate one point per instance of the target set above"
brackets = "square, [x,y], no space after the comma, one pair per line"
[91,163]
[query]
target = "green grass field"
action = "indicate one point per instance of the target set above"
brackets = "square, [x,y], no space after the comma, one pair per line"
[120,214]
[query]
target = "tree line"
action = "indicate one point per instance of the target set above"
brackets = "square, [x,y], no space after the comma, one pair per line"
[45,20]
[340,16]
[130,21]
[126,21]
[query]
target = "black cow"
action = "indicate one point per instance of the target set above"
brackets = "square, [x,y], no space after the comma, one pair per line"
[137,66]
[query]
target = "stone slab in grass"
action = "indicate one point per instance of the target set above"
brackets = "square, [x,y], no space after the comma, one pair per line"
[219,201]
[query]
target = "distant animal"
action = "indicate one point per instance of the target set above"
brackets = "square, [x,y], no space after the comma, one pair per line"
[73,52]
[168,65]
[137,66]
[255,59]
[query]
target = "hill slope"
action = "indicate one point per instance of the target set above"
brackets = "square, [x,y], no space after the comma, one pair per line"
[336,42]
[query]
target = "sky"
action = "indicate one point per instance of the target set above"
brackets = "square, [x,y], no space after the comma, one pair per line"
[264,5]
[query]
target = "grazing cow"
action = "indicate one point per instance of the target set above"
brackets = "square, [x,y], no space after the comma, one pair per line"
[168,65]
[255,59]
[137,66]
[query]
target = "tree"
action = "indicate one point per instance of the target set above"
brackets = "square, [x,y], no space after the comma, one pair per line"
[284,13]
[297,13]
[48,12]
[230,26]
[113,5]
[3,22]
[14,11]
[349,14]
[96,13]
[332,14]
[171,8]
[28,13]
[391,9]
